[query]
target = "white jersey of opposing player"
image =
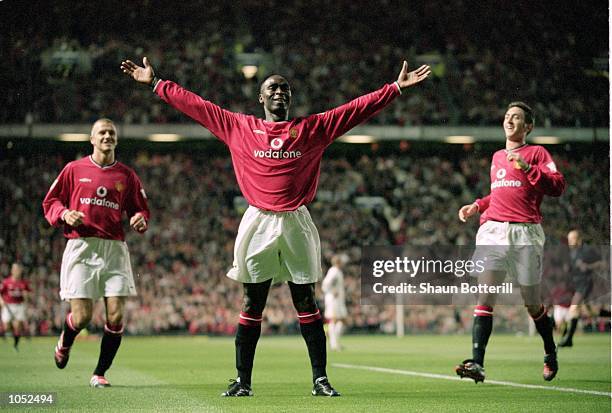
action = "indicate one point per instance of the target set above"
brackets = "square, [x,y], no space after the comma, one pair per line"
[333,288]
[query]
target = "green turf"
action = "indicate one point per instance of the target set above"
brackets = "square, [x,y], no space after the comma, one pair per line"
[189,373]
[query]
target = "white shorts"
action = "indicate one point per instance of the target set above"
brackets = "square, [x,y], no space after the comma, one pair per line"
[95,267]
[334,308]
[283,246]
[13,312]
[517,249]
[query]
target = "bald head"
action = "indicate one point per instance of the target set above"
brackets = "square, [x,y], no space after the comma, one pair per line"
[100,123]
[272,79]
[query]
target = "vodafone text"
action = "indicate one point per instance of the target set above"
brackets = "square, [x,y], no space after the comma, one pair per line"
[99,202]
[280,154]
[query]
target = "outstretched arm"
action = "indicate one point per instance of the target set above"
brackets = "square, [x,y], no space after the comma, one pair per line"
[336,122]
[217,120]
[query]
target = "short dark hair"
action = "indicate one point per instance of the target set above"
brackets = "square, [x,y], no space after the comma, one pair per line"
[529,117]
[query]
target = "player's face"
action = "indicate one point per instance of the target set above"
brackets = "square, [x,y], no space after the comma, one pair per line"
[515,127]
[275,94]
[104,137]
[573,239]
[16,271]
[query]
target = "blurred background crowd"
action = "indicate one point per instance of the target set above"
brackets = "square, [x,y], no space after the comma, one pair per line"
[63,66]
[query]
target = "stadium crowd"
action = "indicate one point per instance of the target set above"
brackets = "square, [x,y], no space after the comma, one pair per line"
[181,261]
[63,65]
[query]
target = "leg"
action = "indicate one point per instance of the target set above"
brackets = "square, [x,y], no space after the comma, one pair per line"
[77,319]
[483,316]
[16,324]
[80,313]
[537,311]
[338,325]
[331,333]
[249,328]
[544,325]
[113,330]
[574,313]
[481,329]
[311,325]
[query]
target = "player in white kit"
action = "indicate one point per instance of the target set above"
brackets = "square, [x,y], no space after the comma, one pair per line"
[335,301]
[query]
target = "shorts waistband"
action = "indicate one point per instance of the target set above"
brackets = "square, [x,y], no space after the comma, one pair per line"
[513,222]
[301,208]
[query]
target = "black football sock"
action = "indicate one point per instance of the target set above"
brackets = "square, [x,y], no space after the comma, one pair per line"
[544,325]
[247,336]
[481,331]
[108,348]
[572,328]
[70,332]
[16,338]
[311,326]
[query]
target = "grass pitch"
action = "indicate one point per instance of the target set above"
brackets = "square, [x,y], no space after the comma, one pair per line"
[176,374]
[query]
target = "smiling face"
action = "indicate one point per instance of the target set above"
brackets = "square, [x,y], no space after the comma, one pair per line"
[275,95]
[104,136]
[516,127]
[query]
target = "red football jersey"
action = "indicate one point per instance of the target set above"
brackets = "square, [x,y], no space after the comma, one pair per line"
[516,195]
[12,291]
[277,164]
[102,193]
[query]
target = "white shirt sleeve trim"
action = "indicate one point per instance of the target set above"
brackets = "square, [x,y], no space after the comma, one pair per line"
[398,87]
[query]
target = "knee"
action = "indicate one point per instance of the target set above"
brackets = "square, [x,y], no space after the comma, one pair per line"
[534,310]
[487,300]
[80,318]
[115,318]
[574,311]
[252,305]
[305,304]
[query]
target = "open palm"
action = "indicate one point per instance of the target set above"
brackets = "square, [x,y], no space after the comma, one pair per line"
[138,73]
[407,79]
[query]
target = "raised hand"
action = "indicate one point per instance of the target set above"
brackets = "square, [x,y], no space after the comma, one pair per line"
[407,79]
[138,73]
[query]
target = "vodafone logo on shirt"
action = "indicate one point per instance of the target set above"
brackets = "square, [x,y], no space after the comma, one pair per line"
[500,182]
[276,143]
[275,151]
[101,191]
